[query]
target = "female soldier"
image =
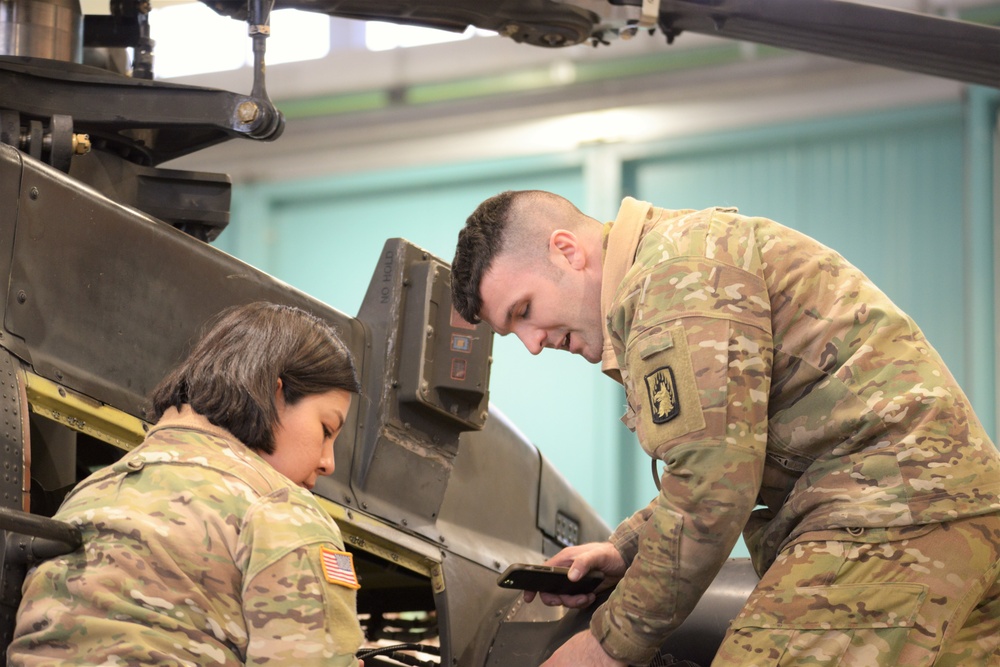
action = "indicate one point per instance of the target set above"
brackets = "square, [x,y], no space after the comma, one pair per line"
[203,546]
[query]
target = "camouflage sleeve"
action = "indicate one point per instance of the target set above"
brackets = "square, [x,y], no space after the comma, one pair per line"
[697,360]
[626,535]
[299,587]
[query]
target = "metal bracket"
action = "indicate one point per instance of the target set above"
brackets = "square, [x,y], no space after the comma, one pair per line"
[650,13]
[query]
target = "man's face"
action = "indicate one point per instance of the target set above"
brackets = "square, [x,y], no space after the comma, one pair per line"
[554,306]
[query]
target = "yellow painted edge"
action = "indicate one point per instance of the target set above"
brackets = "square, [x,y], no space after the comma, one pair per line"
[80,413]
[353,526]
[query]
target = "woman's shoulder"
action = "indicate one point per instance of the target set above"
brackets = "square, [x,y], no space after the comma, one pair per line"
[208,454]
[289,518]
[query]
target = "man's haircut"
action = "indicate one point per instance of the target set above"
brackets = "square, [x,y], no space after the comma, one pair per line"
[231,375]
[479,243]
[515,223]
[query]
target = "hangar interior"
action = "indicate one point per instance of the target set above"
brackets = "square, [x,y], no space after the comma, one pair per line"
[896,170]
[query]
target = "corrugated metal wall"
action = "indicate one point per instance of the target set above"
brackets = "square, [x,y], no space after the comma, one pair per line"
[891,191]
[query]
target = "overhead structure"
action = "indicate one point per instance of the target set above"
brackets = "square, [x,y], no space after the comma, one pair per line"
[916,42]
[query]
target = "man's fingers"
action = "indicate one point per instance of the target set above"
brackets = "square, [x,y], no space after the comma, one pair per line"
[571,601]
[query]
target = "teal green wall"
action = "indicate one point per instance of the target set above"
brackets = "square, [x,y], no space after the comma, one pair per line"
[906,195]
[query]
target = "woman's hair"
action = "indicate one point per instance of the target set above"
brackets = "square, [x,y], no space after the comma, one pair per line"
[231,375]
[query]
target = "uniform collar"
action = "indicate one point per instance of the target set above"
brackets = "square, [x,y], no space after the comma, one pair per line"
[621,240]
[186,417]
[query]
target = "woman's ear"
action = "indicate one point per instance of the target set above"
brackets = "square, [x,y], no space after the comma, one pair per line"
[279,396]
[565,244]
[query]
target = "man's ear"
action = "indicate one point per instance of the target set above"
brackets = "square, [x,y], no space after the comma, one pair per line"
[565,245]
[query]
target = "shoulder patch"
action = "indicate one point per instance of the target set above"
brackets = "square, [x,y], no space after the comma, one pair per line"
[664,401]
[338,567]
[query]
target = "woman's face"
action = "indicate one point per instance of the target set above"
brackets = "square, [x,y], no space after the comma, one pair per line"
[303,438]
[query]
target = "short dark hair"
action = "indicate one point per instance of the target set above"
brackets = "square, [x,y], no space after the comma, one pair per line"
[230,377]
[479,243]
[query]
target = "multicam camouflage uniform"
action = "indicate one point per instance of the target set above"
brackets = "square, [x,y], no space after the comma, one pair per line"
[196,552]
[765,371]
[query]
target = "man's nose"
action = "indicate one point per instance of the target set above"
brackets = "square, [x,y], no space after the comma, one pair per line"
[533,339]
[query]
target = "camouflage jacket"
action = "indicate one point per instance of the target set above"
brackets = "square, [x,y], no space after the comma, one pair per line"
[767,372]
[196,552]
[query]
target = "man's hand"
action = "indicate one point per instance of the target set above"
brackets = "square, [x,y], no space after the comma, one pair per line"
[582,650]
[580,560]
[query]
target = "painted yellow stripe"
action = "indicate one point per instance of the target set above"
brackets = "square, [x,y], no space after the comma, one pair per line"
[83,414]
[368,534]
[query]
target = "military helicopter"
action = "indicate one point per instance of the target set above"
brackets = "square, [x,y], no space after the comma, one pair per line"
[110,278]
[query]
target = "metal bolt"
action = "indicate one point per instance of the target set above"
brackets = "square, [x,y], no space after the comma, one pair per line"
[248,112]
[33,193]
[21,296]
[81,144]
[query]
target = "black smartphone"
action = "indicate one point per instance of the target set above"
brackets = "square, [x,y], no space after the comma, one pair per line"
[548,579]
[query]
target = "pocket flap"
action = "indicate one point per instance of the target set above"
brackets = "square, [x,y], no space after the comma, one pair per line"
[653,344]
[837,607]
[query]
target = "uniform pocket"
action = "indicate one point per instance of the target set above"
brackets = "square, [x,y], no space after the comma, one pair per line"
[825,626]
[837,607]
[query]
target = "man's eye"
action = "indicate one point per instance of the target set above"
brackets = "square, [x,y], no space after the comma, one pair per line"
[524,313]
[327,433]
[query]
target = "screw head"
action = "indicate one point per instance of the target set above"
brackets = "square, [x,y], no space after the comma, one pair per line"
[247,112]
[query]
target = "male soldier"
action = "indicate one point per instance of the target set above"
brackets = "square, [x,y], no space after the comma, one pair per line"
[765,372]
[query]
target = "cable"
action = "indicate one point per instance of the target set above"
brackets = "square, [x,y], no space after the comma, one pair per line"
[382,650]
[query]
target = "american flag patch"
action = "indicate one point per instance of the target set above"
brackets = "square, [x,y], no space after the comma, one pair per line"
[338,567]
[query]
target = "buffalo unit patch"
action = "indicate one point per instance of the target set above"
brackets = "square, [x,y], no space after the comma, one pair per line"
[338,567]
[664,401]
